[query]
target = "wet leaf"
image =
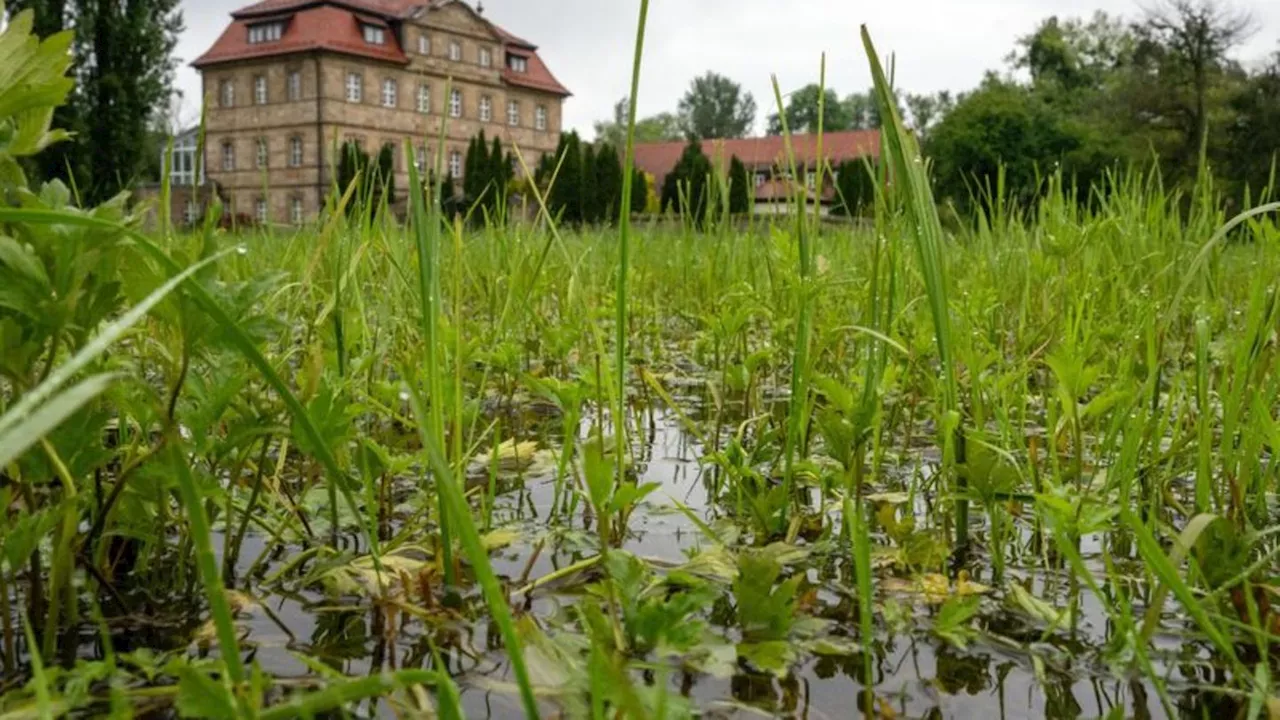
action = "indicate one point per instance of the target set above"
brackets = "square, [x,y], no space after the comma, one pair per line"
[774,656]
[199,696]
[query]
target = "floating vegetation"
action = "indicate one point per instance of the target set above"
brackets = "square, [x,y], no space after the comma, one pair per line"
[779,467]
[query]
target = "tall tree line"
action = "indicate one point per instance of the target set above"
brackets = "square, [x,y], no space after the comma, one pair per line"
[124,68]
[583,182]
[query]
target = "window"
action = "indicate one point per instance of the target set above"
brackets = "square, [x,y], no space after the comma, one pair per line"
[486,108]
[455,104]
[295,151]
[389,93]
[355,87]
[295,210]
[540,117]
[811,179]
[424,98]
[182,170]
[513,113]
[455,164]
[761,179]
[455,51]
[228,156]
[375,35]
[424,44]
[265,32]
[262,153]
[228,94]
[189,213]
[519,63]
[422,158]
[259,90]
[486,57]
[260,210]
[294,85]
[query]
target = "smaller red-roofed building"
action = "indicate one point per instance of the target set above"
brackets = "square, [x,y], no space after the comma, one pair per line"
[768,162]
[290,80]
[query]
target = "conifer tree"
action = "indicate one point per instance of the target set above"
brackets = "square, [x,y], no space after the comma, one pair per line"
[588,195]
[639,191]
[608,182]
[739,187]
[566,194]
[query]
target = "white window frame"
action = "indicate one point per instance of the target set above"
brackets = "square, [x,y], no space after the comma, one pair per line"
[189,212]
[262,153]
[355,87]
[455,51]
[761,179]
[424,44]
[486,57]
[421,158]
[294,85]
[228,94]
[455,164]
[261,209]
[390,93]
[513,113]
[540,117]
[228,156]
[518,63]
[259,89]
[374,35]
[296,151]
[296,210]
[455,103]
[265,32]
[424,98]
[486,108]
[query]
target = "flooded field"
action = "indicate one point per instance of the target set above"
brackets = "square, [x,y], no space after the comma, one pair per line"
[1015,465]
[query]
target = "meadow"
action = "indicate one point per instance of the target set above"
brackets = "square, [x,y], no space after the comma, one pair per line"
[1020,463]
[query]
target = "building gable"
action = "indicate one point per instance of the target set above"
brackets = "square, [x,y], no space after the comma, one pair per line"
[459,17]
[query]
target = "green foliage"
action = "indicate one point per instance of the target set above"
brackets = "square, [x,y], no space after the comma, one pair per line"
[662,127]
[590,196]
[741,188]
[123,65]
[373,181]
[565,201]
[855,188]
[1006,128]
[766,604]
[716,107]
[608,182]
[687,188]
[802,112]
[639,191]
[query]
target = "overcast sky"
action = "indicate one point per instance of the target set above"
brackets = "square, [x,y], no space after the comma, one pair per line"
[939,44]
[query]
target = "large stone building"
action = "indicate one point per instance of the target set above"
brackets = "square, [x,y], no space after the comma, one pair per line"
[290,80]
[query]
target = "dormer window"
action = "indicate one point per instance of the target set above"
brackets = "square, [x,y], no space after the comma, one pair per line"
[375,35]
[265,32]
[519,63]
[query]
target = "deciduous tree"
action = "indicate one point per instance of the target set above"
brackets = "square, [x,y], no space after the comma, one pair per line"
[716,107]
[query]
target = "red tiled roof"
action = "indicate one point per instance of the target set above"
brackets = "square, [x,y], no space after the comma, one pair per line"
[389,8]
[538,77]
[316,28]
[510,39]
[332,25]
[658,159]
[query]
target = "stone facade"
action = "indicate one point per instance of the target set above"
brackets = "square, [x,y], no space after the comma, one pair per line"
[301,106]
